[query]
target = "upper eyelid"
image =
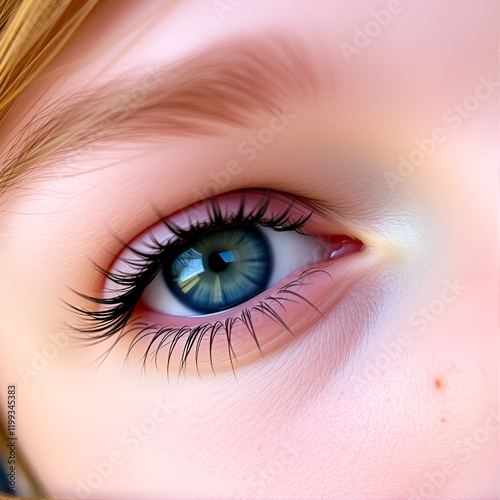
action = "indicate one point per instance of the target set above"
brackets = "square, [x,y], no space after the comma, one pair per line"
[228,84]
[257,215]
[306,205]
[310,210]
[151,255]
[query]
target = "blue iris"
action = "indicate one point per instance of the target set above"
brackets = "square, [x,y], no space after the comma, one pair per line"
[221,269]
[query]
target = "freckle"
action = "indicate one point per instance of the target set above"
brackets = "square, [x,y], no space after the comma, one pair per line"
[259,448]
[443,420]
[438,383]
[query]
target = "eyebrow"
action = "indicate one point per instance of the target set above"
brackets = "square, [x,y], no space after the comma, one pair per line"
[229,84]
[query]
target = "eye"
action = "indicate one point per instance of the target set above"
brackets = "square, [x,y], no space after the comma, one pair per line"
[216,280]
[227,267]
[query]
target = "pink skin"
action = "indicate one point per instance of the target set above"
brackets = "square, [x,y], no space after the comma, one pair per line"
[393,393]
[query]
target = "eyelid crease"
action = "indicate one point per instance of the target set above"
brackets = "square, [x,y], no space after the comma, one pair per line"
[223,85]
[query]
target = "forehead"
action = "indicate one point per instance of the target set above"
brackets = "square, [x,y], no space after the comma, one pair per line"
[379,52]
[162,31]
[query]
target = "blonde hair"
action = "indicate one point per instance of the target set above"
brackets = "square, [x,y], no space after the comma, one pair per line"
[32,34]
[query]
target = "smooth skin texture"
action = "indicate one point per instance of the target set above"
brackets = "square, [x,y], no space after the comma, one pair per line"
[393,393]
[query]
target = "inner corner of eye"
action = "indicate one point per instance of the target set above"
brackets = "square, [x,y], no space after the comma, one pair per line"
[228,266]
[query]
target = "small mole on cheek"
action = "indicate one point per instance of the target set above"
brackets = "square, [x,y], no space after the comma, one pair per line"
[438,384]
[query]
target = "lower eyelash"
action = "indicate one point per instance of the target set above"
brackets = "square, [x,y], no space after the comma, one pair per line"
[171,336]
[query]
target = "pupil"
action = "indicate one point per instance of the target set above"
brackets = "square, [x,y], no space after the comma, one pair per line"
[216,263]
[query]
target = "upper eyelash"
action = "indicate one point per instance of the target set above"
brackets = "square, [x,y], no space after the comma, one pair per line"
[103,324]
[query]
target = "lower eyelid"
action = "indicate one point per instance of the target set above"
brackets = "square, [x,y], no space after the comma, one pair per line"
[325,286]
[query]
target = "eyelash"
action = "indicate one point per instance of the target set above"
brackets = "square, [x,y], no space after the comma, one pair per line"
[98,326]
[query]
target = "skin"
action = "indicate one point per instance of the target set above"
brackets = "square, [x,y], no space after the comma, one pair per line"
[393,394]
